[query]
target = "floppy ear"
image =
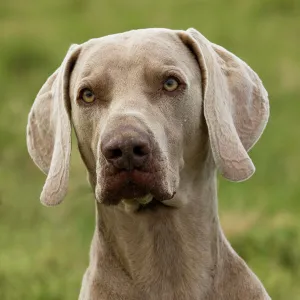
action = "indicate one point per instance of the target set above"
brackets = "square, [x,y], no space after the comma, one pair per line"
[49,130]
[236,106]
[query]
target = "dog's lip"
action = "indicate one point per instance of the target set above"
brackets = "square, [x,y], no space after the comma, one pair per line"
[131,184]
[134,176]
[112,188]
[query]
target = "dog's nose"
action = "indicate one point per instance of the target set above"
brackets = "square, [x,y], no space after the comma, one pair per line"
[127,151]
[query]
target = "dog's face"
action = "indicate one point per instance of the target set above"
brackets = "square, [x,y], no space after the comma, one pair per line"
[143,104]
[136,109]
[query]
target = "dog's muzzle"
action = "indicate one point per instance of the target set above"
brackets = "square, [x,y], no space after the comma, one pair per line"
[132,168]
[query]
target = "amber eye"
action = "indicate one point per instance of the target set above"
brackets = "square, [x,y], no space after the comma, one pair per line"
[171,84]
[87,96]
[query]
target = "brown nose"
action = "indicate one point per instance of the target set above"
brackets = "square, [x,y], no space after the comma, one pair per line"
[126,151]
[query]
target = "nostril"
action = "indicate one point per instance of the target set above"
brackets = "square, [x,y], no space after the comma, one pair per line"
[126,152]
[140,150]
[114,153]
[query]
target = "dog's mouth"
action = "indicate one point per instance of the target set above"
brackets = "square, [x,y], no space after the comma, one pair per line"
[136,188]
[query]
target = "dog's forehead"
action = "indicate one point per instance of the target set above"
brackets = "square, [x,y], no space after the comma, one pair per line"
[137,47]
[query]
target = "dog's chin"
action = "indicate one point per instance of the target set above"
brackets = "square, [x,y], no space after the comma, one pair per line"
[143,205]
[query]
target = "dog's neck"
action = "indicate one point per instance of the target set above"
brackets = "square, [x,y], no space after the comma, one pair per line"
[168,249]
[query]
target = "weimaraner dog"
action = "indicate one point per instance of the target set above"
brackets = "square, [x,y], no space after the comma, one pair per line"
[156,113]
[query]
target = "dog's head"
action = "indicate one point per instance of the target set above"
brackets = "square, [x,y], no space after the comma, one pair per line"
[144,104]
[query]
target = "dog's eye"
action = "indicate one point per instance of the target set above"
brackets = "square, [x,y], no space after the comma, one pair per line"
[171,84]
[87,96]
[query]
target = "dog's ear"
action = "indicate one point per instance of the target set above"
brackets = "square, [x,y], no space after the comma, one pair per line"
[236,106]
[49,130]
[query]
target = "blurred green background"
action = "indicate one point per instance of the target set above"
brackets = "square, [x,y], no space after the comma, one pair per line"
[44,251]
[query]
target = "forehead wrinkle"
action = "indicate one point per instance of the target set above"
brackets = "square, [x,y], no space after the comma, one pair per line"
[126,50]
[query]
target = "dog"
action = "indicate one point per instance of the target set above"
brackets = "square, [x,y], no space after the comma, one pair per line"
[156,113]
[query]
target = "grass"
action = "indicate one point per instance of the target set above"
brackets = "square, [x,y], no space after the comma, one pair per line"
[43,252]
